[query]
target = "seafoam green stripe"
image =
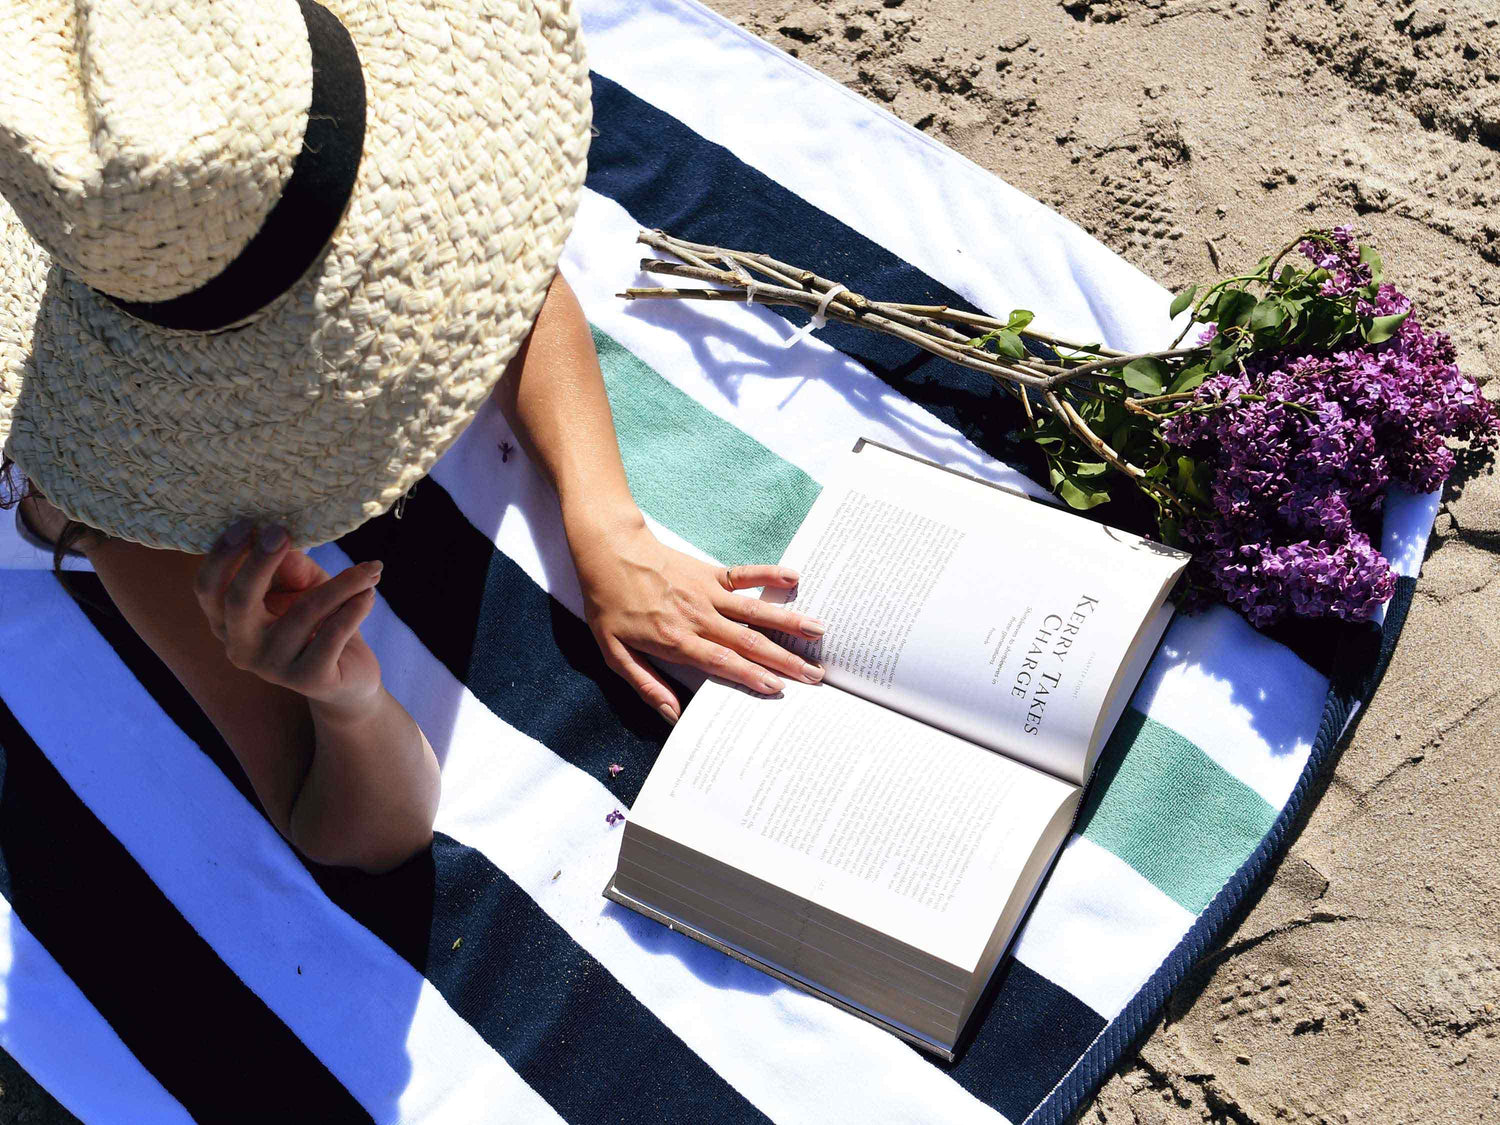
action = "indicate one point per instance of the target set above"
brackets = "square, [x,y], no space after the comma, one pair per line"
[711,483]
[1172,812]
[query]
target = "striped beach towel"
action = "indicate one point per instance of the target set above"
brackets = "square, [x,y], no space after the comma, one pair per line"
[164,956]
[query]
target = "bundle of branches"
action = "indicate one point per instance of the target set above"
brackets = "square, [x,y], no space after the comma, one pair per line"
[1266,445]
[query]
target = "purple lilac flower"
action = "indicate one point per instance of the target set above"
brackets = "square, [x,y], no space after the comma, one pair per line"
[1301,458]
[1339,252]
[1345,280]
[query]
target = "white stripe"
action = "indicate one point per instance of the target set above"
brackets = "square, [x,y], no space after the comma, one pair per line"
[533,814]
[49,1027]
[373,1020]
[1246,701]
[1100,928]
[808,404]
[984,239]
[1407,525]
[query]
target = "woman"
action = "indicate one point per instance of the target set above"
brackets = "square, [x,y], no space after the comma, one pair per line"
[225,341]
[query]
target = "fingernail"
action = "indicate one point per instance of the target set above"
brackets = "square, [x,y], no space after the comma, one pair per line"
[272,538]
[812,627]
[236,533]
[812,673]
[374,569]
[789,575]
[666,711]
[771,684]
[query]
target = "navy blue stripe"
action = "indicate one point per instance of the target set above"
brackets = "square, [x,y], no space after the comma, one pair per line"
[567,1027]
[669,177]
[1032,1032]
[209,1040]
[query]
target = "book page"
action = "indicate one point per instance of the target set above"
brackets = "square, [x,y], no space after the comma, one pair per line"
[871,814]
[998,618]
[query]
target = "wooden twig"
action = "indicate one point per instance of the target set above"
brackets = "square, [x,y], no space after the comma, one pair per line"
[979,320]
[933,328]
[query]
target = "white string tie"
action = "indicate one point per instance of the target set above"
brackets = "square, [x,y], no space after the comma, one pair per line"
[750,290]
[819,319]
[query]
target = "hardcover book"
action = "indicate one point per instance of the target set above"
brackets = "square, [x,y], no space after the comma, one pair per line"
[877,838]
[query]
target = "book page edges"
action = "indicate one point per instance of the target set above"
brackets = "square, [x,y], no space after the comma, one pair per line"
[614,894]
[1017,906]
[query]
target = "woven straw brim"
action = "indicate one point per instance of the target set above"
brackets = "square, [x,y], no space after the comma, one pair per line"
[322,412]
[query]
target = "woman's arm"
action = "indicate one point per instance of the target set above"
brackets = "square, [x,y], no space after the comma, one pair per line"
[640,596]
[342,770]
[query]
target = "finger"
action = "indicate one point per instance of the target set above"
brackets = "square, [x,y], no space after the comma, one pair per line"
[754,645]
[245,614]
[320,659]
[292,631]
[649,684]
[723,662]
[298,571]
[769,615]
[744,577]
[216,570]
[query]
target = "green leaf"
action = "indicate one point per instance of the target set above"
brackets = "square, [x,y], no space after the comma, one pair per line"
[1187,479]
[1222,350]
[1010,344]
[1382,328]
[1266,314]
[1221,360]
[1235,307]
[1369,257]
[1188,379]
[1182,301]
[1145,375]
[1119,441]
[1112,413]
[1020,318]
[1080,498]
[1089,468]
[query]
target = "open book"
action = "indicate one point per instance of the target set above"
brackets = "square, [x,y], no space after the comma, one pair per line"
[877,838]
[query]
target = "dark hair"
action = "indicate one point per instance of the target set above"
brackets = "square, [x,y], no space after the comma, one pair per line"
[12,494]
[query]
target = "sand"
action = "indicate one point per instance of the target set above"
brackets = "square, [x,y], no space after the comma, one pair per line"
[1189,134]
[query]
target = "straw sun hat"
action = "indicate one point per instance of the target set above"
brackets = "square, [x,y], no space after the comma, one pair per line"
[267,257]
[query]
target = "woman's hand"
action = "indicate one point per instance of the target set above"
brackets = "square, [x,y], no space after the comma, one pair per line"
[643,598]
[284,619]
